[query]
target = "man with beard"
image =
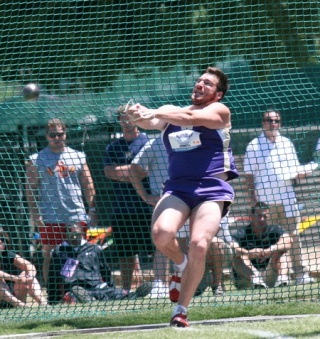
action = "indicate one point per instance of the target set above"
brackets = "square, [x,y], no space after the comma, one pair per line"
[197,140]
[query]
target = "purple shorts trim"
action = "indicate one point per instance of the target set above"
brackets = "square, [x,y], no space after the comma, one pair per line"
[193,193]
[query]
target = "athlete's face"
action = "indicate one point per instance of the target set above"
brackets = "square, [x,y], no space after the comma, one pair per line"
[56,138]
[205,90]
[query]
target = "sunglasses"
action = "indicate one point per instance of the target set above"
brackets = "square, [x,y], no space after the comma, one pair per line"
[272,121]
[54,135]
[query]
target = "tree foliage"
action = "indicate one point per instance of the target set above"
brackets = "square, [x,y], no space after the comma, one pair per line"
[90,42]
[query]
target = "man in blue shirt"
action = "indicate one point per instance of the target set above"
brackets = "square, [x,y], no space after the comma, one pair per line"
[130,214]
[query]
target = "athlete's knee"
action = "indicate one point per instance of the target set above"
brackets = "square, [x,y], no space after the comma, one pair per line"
[161,236]
[199,248]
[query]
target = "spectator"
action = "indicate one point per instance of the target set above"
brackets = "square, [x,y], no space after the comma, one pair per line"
[130,216]
[197,141]
[152,161]
[270,165]
[17,279]
[79,272]
[56,177]
[260,252]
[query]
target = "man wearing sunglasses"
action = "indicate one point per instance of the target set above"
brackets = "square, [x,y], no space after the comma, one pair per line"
[271,164]
[56,177]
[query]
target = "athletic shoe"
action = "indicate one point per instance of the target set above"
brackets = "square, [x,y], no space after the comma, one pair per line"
[175,286]
[258,283]
[69,298]
[304,279]
[82,294]
[282,280]
[217,290]
[179,320]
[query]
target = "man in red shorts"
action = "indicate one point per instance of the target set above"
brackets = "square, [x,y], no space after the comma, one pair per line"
[56,178]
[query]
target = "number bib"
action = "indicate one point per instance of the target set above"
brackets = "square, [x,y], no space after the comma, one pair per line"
[184,140]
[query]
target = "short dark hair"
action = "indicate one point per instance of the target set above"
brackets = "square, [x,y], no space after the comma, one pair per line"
[259,205]
[223,85]
[55,123]
[270,110]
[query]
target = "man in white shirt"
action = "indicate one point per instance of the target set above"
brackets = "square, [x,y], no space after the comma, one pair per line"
[270,165]
[316,152]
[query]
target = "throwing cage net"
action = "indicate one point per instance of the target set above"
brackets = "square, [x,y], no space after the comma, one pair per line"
[85,60]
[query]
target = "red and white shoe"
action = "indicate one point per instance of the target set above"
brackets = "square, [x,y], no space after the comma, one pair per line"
[70,298]
[179,320]
[175,286]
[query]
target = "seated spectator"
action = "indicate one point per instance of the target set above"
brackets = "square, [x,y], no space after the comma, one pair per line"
[17,279]
[260,259]
[79,272]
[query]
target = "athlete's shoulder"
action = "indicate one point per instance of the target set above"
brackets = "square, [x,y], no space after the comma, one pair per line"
[218,107]
[169,107]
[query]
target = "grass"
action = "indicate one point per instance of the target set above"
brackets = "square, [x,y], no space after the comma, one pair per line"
[291,300]
[291,328]
[229,329]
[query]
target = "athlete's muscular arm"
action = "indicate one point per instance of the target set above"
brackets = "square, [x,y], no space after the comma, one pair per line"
[137,111]
[214,116]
